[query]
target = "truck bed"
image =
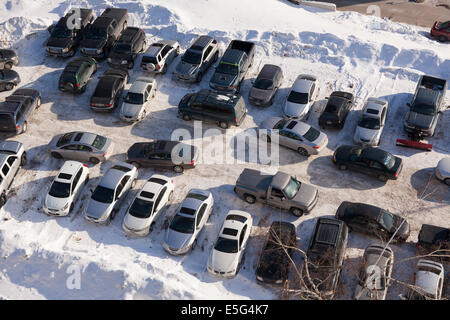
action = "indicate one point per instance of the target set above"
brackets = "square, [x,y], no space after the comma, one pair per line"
[430,234]
[253,179]
[433,83]
[241,46]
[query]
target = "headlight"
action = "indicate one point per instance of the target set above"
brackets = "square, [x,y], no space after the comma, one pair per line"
[124,61]
[65,50]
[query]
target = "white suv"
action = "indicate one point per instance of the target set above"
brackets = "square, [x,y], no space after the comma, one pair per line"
[12,157]
[66,188]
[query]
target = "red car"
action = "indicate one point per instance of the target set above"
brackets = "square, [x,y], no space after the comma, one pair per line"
[441,31]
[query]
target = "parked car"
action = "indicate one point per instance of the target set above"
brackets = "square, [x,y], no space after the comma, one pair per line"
[325,254]
[301,97]
[159,56]
[182,233]
[209,105]
[8,79]
[266,85]
[83,146]
[441,31]
[66,188]
[375,272]
[371,122]
[17,109]
[8,58]
[233,66]
[336,111]
[280,190]
[442,170]
[77,74]
[66,34]
[434,239]
[132,41]
[110,192]
[163,154]
[426,106]
[108,91]
[369,160]
[12,157]
[103,32]
[227,255]
[296,135]
[275,259]
[428,281]
[196,61]
[135,105]
[148,205]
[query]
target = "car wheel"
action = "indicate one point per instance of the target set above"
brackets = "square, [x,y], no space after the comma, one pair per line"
[303,152]
[164,70]
[23,159]
[194,244]
[83,88]
[342,167]
[8,65]
[382,178]
[249,198]
[223,125]
[3,199]
[71,207]
[297,212]
[24,127]
[38,102]
[442,38]
[56,155]
[178,169]
[447,181]
[9,86]
[94,160]
[136,164]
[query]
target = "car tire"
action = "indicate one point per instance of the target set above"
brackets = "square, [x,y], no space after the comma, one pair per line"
[83,88]
[23,159]
[178,169]
[113,214]
[94,160]
[447,181]
[249,198]
[342,167]
[136,164]
[303,152]
[8,65]
[38,102]
[186,117]
[71,207]
[382,178]
[56,155]
[296,211]
[442,38]
[3,199]
[24,127]
[9,86]
[223,125]
[164,70]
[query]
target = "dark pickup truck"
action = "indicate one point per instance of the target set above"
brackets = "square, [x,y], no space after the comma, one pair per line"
[103,33]
[427,104]
[279,190]
[233,66]
[66,34]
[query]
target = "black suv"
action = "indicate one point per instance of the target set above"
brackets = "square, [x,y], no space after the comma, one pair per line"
[275,259]
[132,41]
[336,111]
[66,35]
[326,255]
[109,90]
[8,59]
[77,74]
[17,109]
[433,238]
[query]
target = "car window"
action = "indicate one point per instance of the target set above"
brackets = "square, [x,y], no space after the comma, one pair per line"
[200,214]
[160,196]
[11,160]
[241,237]
[76,179]
[207,52]
[71,147]
[5,169]
[375,165]
[276,193]
[85,148]
[165,50]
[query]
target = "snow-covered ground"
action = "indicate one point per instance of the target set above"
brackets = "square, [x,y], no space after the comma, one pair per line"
[345,50]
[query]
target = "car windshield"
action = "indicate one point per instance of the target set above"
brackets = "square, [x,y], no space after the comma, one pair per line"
[425,109]
[182,224]
[59,189]
[386,220]
[62,33]
[298,97]
[369,123]
[263,84]
[96,33]
[389,162]
[292,187]
[226,245]
[134,98]
[102,194]
[280,124]
[227,68]
[192,57]
[99,142]
[122,48]
[312,134]
[141,208]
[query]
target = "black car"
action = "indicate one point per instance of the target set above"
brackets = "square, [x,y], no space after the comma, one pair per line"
[77,74]
[433,238]
[109,90]
[266,85]
[369,219]
[369,160]
[132,41]
[66,34]
[17,109]
[163,154]
[336,111]
[326,255]
[8,79]
[275,259]
[8,59]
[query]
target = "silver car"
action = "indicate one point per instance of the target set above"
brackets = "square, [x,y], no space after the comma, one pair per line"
[371,122]
[296,135]
[160,55]
[428,281]
[110,192]
[442,170]
[136,102]
[301,97]
[12,157]
[83,146]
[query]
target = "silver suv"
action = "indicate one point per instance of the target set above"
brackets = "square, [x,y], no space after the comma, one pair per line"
[12,157]
[159,56]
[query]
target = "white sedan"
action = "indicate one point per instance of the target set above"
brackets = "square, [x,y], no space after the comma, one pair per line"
[371,123]
[227,255]
[301,97]
[136,103]
[147,205]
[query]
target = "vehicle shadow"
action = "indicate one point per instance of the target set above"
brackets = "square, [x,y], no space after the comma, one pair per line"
[428,187]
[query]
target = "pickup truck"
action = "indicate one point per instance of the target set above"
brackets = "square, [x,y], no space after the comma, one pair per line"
[426,106]
[66,34]
[280,190]
[233,66]
[103,33]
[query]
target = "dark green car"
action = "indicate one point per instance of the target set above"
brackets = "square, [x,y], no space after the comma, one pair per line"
[77,74]
[369,160]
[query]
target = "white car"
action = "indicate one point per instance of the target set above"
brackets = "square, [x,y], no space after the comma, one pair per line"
[110,192]
[160,55]
[443,170]
[184,228]
[137,100]
[428,281]
[227,255]
[147,205]
[371,123]
[66,188]
[301,97]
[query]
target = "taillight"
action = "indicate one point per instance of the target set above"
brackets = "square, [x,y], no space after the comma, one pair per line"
[192,162]
[171,181]
[108,105]
[104,155]
[17,127]
[235,120]
[316,147]
[158,67]
[84,165]
[396,174]
[92,104]
[78,85]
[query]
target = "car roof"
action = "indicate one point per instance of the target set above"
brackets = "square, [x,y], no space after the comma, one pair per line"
[194,203]
[154,49]
[10,106]
[232,55]
[280,180]
[139,86]
[201,42]
[68,171]
[300,127]
[128,34]
[327,231]
[374,154]
[302,85]
[3,158]
[364,209]
[268,71]
[374,106]
[113,176]
[151,187]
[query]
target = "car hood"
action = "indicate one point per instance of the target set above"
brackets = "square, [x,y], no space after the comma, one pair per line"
[260,94]
[8,54]
[186,68]
[223,80]
[294,109]
[59,42]
[130,110]
[305,194]
[427,281]
[136,223]
[419,120]
[368,135]
[444,166]
[98,210]
[55,203]
[222,261]
[177,240]
[93,43]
